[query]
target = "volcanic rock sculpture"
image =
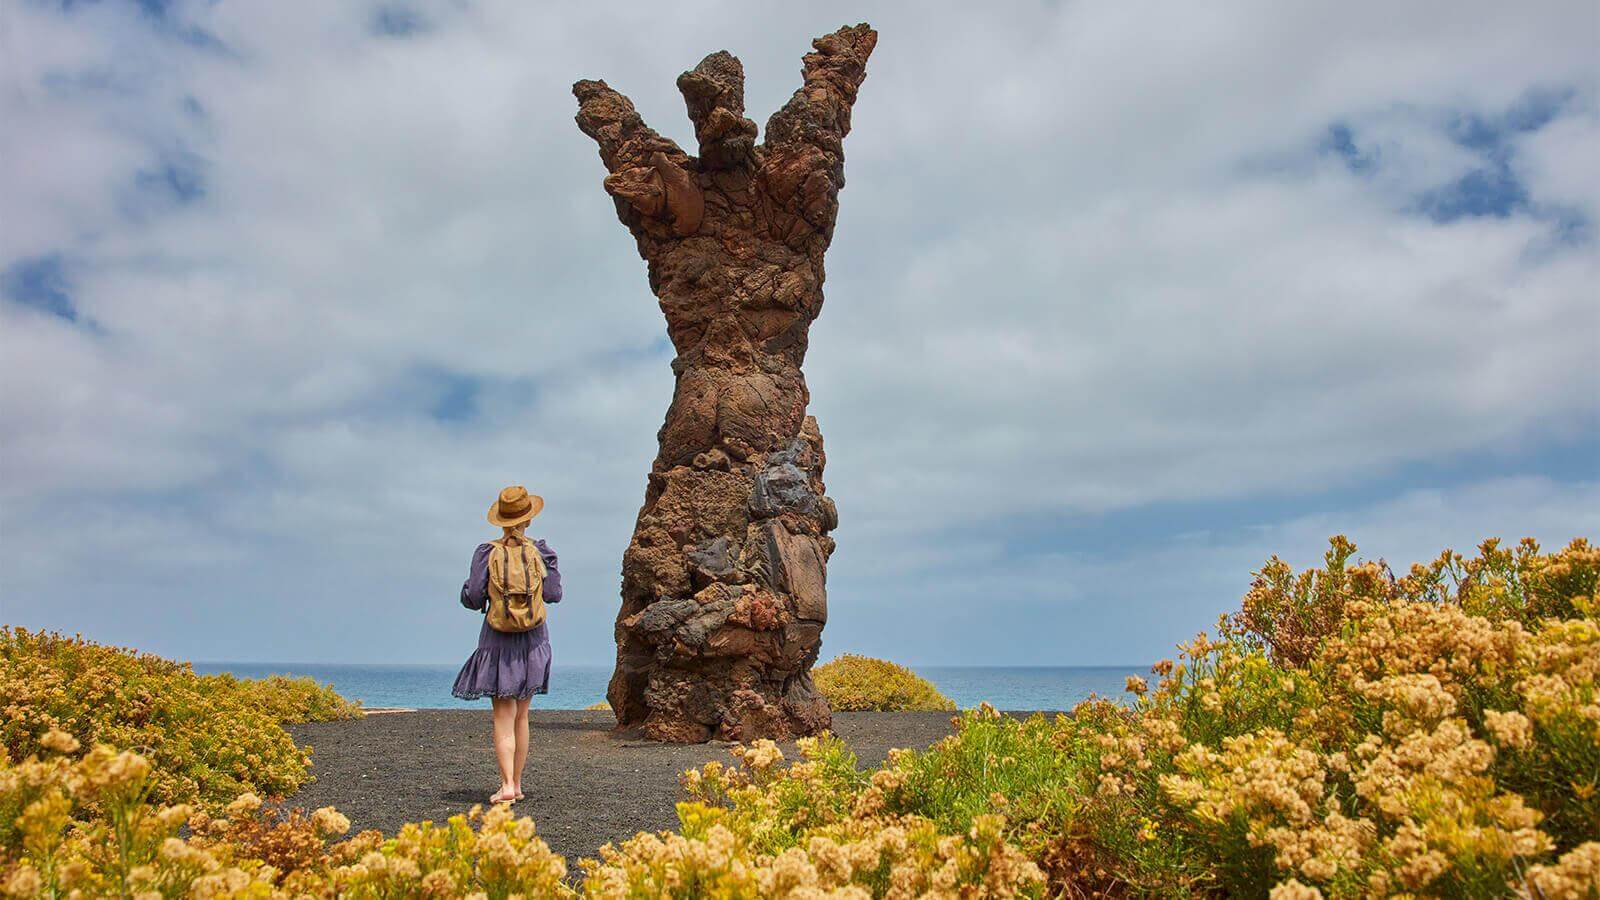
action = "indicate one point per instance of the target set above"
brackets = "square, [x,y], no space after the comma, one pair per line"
[723,584]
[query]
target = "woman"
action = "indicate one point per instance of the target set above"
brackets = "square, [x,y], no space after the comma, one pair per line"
[511,580]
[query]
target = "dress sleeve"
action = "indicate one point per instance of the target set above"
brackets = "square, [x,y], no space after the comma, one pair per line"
[475,592]
[552,578]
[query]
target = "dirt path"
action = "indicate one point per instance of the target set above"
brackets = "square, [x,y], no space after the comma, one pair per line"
[584,787]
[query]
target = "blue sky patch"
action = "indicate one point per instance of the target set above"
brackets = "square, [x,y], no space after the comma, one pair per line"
[160,14]
[455,396]
[64,85]
[178,177]
[1490,191]
[395,21]
[1340,141]
[1531,112]
[40,283]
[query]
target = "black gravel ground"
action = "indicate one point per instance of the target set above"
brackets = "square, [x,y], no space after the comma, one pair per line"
[584,786]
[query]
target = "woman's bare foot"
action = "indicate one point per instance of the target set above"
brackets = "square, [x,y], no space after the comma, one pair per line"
[506,794]
[518,789]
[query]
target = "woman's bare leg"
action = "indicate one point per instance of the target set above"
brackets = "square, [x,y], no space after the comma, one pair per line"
[521,727]
[505,747]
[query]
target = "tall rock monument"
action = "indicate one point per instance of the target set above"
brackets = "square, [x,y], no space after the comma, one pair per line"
[723,584]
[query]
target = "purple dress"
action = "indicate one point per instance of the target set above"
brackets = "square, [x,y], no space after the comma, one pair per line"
[506,664]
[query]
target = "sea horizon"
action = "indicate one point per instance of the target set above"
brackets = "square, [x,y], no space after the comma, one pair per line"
[577,685]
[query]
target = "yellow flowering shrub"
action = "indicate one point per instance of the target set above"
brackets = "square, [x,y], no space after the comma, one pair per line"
[135,848]
[1292,614]
[207,738]
[817,828]
[851,682]
[287,699]
[1346,733]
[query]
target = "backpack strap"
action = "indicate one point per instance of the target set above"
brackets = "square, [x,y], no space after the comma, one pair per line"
[527,568]
[505,568]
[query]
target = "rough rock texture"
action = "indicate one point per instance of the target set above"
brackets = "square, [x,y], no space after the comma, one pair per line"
[724,584]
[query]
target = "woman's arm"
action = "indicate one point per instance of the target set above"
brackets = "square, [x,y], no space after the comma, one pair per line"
[475,592]
[552,577]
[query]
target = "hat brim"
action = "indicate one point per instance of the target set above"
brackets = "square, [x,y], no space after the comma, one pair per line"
[535,504]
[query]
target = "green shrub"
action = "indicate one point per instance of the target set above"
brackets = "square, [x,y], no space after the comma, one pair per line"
[853,683]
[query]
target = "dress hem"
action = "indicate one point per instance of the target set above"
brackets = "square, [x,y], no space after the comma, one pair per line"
[479,695]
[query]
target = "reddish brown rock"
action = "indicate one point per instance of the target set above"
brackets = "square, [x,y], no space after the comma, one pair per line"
[724,585]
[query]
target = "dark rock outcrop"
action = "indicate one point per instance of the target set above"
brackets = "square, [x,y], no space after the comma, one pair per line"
[724,584]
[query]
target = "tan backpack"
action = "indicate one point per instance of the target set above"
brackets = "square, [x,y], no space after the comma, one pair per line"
[516,586]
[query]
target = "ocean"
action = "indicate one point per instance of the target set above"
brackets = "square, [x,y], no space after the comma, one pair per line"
[574,687]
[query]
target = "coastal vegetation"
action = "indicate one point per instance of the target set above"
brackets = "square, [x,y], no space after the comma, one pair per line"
[206,738]
[1347,732]
[853,683]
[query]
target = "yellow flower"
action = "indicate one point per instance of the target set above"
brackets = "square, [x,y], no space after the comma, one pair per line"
[438,883]
[1511,729]
[24,882]
[59,741]
[1294,890]
[105,769]
[329,822]
[244,803]
[1574,875]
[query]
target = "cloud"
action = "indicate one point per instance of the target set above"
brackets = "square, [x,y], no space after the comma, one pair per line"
[350,270]
[1066,598]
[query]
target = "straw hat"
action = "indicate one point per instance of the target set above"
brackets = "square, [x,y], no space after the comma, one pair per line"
[515,507]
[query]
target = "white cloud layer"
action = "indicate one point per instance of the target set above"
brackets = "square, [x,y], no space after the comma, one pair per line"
[1093,259]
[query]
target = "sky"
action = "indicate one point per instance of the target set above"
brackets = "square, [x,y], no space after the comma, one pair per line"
[1124,298]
